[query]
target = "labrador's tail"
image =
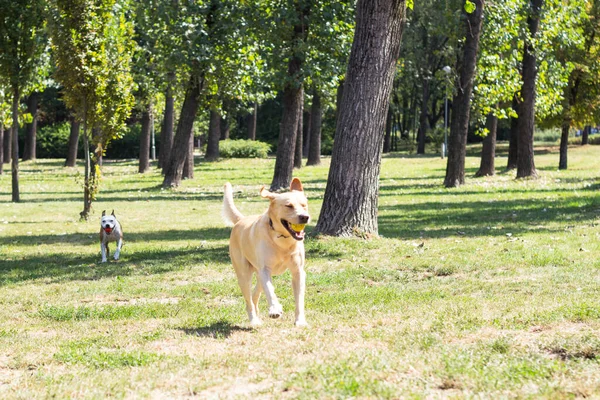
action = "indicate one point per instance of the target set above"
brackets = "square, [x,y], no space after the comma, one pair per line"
[230,212]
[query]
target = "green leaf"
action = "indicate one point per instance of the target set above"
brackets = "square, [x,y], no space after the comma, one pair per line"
[469,6]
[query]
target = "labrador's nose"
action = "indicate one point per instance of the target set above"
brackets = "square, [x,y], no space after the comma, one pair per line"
[303,218]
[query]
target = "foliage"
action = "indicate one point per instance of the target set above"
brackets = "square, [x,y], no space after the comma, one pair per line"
[243,149]
[53,140]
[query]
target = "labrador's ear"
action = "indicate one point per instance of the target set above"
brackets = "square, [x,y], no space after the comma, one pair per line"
[266,194]
[103,213]
[296,185]
[113,213]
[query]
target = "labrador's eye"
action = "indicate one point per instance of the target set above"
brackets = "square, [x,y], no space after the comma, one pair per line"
[289,206]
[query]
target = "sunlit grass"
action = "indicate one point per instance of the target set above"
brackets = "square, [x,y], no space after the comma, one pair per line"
[489,290]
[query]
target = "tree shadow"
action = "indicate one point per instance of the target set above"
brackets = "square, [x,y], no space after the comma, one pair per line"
[217,330]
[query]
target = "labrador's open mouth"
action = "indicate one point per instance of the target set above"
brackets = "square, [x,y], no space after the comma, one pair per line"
[298,235]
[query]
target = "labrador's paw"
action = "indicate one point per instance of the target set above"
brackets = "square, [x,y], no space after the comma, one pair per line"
[275,311]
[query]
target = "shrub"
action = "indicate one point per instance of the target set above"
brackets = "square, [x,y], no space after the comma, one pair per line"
[53,140]
[243,149]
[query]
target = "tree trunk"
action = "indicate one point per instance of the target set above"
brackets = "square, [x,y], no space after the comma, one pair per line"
[514,137]
[526,120]
[15,146]
[8,145]
[181,141]
[306,132]
[1,147]
[461,103]
[166,130]
[299,129]
[338,101]
[292,107]
[225,127]
[144,157]
[252,122]
[387,140]
[214,133]
[316,118]
[71,159]
[351,196]
[564,143]
[87,204]
[423,119]
[488,152]
[29,148]
[188,166]
[585,135]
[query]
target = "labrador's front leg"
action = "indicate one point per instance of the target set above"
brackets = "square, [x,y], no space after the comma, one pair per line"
[298,286]
[275,309]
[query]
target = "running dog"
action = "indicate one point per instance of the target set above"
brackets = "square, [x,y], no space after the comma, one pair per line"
[110,231]
[267,245]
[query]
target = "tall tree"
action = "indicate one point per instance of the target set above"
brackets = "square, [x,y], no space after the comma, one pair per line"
[144,158]
[314,149]
[22,45]
[351,196]
[92,43]
[214,133]
[461,103]
[487,165]
[299,132]
[166,129]
[71,159]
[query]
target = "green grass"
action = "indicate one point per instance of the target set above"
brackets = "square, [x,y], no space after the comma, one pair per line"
[489,290]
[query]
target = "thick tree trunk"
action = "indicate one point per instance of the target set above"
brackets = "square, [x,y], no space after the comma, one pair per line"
[181,141]
[513,145]
[214,133]
[252,122]
[338,101]
[461,103]
[387,140]
[166,130]
[16,197]
[299,129]
[423,119]
[316,115]
[1,148]
[144,157]
[188,166]
[71,159]
[564,143]
[585,135]
[526,120]
[351,196]
[225,127]
[305,133]
[29,146]
[488,152]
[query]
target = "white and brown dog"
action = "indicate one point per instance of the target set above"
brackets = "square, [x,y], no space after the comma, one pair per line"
[110,231]
[267,245]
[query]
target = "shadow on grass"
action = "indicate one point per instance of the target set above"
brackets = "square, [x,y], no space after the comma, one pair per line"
[216,330]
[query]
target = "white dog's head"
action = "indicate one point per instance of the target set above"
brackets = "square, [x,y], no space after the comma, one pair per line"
[108,222]
[288,211]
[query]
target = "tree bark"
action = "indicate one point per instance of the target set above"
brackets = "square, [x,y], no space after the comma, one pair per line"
[214,133]
[461,103]
[166,130]
[1,147]
[585,135]
[225,127]
[526,120]
[188,166]
[299,129]
[29,146]
[564,143]
[387,140]
[316,115]
[514,138]
[181,141]
[423,119]
[8,145]
[144,157]
[306,132]
[15,146]
[292,101]
[351,196]
[488,152]
[252,122]
[71,159]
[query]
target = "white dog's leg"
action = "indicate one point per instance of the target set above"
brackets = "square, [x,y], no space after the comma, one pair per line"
[103,251]
[298,286]
[244,275]
[118,250]
[275,309]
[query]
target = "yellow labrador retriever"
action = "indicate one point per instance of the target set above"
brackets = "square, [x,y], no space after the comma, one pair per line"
[268,244]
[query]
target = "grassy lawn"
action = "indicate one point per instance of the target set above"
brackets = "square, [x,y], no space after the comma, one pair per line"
[490,290]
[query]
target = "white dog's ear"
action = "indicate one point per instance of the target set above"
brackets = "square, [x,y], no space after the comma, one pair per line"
[296,185]
[103,213]
[113,213]
[266,194]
